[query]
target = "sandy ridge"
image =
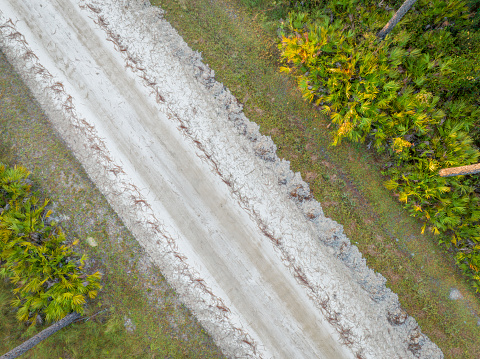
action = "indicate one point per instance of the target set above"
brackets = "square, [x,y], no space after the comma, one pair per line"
[373,325]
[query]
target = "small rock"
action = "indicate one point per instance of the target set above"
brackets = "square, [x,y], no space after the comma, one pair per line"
[299,189]
[265,149]
[455,294]
[92,242]
[252,132]
[283,171]
[416,341]
[129,326]
[312,209]
[397,316]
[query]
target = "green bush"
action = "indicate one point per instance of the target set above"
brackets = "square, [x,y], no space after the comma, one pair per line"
[46,272]
[474,6]
[408,95]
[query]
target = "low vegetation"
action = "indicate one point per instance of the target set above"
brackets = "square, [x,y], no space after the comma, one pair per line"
[45,271]
[411,96]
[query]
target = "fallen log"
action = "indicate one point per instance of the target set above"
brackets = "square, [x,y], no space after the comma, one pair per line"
[458,171]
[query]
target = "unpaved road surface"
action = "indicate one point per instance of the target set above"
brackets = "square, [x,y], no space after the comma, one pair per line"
[233,230]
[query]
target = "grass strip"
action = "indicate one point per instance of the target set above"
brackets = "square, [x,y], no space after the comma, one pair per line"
[239,43]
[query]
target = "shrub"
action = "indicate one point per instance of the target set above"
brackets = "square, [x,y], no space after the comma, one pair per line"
[413,102]
[46,272]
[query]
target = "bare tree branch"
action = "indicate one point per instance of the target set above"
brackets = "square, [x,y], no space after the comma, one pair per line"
[44,334]
[396,18]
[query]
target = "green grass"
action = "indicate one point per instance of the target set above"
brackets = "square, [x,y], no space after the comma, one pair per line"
[164,327]
[237,40]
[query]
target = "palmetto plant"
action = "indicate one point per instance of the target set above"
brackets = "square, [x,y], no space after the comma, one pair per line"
[13,184]
[46,272]
[368,91]
[395,97]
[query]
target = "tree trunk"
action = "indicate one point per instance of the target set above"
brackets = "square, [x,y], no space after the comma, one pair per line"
[396,18]
[457,171]
[44,334]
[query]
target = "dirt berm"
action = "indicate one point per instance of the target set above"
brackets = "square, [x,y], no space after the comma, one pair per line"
[231,227]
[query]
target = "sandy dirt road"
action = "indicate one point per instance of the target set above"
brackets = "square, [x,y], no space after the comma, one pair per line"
[162,132]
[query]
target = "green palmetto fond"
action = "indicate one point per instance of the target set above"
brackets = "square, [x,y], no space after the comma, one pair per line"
[399,99]
[13,183]
[46,273]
